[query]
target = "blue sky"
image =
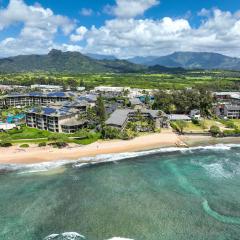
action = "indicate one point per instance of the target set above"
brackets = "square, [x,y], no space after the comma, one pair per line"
[124,28]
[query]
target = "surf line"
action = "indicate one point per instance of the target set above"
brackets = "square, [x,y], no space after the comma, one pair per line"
[188,187]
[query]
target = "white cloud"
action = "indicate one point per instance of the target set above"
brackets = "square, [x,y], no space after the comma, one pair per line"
[40,26]
[130,8]
[87,12]
[219,32]
[124,35]
[79,34]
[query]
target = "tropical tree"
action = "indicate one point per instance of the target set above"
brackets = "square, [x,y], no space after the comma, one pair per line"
[181,125]
[100,110]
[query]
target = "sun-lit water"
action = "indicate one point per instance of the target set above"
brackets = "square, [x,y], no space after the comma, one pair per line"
[165,195]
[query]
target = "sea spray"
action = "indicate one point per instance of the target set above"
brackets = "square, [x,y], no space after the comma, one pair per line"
[188,187]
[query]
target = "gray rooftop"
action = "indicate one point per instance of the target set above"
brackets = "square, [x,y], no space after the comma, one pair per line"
[74,122]
[54,111]
[119,116]
[232,107]
[135,101]
[175,117]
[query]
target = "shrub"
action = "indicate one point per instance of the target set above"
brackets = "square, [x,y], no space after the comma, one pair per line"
[61,144]
[24,146]
[42,144]
[5,144]
[230,124]
[215,131]
[110,133]
[195,121]
[228,133]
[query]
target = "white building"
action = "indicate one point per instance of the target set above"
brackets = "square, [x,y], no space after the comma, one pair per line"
[51,88]
[7,126]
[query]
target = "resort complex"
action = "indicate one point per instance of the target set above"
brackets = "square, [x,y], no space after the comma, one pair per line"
[109,112]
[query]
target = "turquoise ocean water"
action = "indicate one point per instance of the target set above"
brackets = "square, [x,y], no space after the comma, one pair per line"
[168,194]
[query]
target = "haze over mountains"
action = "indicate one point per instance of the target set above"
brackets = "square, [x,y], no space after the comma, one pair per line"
[191,60]
[75,62]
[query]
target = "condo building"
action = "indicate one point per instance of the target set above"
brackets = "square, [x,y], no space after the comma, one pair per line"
[22,100]
[55,119]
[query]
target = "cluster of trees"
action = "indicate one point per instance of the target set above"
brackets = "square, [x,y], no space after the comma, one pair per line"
[183,101]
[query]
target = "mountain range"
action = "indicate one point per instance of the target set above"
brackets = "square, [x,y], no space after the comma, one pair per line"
[71,62]
[75,62]
[191,60]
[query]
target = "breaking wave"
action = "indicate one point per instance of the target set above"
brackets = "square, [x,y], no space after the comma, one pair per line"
[119,238]
[65,236]
[75,236]
[104,158]
[32,168]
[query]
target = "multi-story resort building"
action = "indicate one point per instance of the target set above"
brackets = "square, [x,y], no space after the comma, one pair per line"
[231,111]
[29,99]
[228,104]
[55,119]
[227,97]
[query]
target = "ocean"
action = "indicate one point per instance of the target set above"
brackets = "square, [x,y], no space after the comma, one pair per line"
[165,194]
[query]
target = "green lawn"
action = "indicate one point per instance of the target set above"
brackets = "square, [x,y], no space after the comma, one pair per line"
[191,127]
[236,122]
[27,133]
[35,136]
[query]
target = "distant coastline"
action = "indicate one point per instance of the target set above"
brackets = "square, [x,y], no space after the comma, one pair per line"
[167,138]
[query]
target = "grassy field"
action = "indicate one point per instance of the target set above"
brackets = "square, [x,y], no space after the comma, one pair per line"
[217,80]
[204,126]
[35,136]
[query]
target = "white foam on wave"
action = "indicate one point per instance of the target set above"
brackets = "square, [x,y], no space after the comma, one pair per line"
[33,168]
[65,236]
[104,158]
[217,170]
[119,238]
[51,237]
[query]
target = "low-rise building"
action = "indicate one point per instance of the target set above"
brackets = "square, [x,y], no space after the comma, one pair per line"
[7,126]
[179,117]
[120,117]
[136,103]
[48,88]
[195,114]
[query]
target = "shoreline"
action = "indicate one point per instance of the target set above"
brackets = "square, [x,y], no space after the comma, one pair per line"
[167,138]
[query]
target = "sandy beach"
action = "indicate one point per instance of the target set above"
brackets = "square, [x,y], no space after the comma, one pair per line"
[34,154]
[167,138]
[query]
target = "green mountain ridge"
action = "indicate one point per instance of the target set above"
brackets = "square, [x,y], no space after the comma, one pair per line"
[72,62]
[191,60]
